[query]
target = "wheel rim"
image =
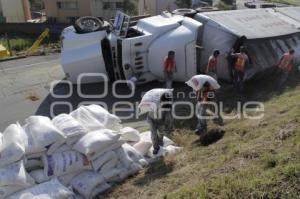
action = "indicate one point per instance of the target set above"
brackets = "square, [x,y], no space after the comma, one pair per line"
[89,24]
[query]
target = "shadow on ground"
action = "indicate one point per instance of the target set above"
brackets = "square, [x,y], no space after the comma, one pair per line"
[260,90]
[210,137]
[156,170]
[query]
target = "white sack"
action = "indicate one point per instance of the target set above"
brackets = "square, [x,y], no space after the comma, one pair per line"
[109,121]
[151,100]
[112,174]
[63,163]
[128,155]
[197,82]
[129,134]
[96,141]
[124,174]
[86,119]
[33,164]
[55,146]
[85,182]
[1,139]
[15,175]
[110,148]
[69,126]
[67,178]
[72,141]
[49,190]
[61,149]
[77,196]
[100,161]
[41,134]
[164,151]
[36,155]
[143,147]
[146,136]
[13,145]
[8,190]
[134,168]
[99,189]
[109,165]
[39,176]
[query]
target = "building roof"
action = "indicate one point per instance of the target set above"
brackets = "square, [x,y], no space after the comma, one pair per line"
[254,23]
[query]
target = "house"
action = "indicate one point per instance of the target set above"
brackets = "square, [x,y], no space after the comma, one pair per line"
[155,7]
[15,11]
[67,11]
[37,5]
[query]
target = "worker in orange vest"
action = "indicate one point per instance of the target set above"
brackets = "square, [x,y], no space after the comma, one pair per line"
[212,65]
[240,65]
[285,66]
[169,68]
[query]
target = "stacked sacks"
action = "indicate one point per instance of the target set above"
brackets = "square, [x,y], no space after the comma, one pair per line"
[76,155]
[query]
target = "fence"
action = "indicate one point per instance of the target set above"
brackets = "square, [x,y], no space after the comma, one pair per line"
[32,28]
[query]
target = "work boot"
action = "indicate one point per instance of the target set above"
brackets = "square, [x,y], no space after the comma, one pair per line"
[155,151]
[219,121]
[200,131]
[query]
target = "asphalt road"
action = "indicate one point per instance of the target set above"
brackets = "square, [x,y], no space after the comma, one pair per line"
[25,90]
[24,85]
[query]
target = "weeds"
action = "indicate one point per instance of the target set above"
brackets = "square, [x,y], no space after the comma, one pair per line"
[17,44]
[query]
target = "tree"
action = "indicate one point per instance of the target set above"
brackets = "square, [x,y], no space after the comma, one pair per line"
[183,3]
[130,7]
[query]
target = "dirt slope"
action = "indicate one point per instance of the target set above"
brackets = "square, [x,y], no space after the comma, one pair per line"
[243,159]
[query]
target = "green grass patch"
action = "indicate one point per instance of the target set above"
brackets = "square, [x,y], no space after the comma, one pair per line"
[17,44]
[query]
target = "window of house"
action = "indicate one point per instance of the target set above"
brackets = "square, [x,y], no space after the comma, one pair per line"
[112,5]
[70,5]
[119,5]
[107,5]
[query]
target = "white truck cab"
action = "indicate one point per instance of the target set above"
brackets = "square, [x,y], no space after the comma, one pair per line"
[131,50]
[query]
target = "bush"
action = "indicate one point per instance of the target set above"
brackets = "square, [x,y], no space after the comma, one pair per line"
[223,6]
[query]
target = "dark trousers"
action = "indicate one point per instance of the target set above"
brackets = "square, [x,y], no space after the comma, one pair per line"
[239,81]
[284,75]
[202,116]
[158,128]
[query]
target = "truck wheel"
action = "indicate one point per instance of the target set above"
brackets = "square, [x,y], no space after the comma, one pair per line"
[88,24]
[185,12]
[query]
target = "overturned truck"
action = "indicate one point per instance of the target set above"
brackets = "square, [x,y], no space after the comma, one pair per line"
[127,48]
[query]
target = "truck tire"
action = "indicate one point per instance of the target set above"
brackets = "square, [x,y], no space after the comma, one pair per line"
[88,24]
[185,12]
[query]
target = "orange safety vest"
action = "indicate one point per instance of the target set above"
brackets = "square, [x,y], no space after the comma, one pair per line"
[286,62]
[212,64]
[205,94]
[240,62]
[169,65]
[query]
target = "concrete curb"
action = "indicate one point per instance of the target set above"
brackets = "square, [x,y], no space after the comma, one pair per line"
[13,58]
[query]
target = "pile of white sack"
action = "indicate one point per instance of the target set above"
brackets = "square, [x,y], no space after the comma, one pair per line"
[76,155]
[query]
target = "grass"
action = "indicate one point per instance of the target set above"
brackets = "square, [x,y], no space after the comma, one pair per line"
[243,159]
[289,2]
[22,42]
[17,44]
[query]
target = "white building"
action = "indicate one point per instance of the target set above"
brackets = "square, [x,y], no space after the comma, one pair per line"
[155,7]
[16,11]
[106,9]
